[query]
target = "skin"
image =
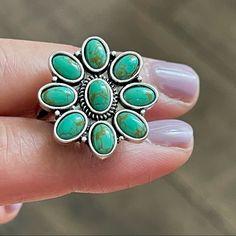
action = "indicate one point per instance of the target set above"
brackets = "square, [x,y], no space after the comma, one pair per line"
[34,167]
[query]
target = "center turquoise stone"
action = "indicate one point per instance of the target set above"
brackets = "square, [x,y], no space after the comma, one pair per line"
[99,95]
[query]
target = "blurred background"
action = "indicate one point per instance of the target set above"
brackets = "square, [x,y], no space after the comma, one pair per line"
[200,198]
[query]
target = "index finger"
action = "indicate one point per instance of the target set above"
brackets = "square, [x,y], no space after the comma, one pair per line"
[24,69]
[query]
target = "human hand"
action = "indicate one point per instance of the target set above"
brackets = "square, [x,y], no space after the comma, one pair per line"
[34,167]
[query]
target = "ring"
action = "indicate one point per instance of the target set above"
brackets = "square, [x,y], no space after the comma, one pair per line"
[97,97]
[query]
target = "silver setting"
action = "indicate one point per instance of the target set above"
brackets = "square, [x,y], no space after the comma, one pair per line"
[54,72]
[54,79]
[113,53]
[142,112]
[47,107]
[57,113]
[83,54]
[139,79]
[133,85]
[77,53]
[127,137]
[84,139]
[101,156]
[76,137]
[81,102]
[85,104]
[117,59]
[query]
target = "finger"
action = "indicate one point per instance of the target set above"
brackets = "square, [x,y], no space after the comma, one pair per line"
[24,69]
[33,166]
[9,212]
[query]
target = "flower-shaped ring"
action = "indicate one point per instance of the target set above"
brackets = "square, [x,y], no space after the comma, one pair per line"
[97,97]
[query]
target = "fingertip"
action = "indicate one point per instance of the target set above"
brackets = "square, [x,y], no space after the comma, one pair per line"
[171,133]
[9,212]
[178,87]
[131,165]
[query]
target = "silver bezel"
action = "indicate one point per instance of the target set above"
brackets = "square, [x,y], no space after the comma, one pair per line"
[83,54]
[127,137]
[47,107]
[138,84]
[54,72]
[87,100]
[101,156]
[62,117]
[117,59]
[81,105]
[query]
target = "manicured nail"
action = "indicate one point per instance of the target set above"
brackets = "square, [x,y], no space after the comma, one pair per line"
[9,209]
[170,133]
[176,81]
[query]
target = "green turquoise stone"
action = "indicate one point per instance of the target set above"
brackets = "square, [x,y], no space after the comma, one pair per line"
[66,67]
[58,96]
[131,125]
[71,126]
[103,139]
[126,67]
[99,95]
[139,95]
[95,54]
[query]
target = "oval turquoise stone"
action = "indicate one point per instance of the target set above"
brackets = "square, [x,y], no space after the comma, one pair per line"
[99,95]
[66,67]
[58,96]
[131,125]
[126,67]
[103,138]
[71,126]
[95,54]
[139,95]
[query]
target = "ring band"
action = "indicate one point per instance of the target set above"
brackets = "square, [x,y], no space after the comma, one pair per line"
[97,97]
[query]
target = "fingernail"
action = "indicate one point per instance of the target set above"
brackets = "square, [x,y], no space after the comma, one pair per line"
[176,81]
[9,209]
[170,133]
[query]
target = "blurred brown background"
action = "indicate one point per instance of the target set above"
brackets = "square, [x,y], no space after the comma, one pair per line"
[200,198]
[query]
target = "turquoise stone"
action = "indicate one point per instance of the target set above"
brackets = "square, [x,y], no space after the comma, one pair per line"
[99,95]
[126,67]
[131,125]
[58,96]
[103,138]
[95,54]
[66,67]
[71,126]
[139,95]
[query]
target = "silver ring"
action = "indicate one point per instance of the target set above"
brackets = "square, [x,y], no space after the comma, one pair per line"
[97,97]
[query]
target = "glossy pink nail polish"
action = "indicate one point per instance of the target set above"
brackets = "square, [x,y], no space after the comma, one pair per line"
[176,81]
[9,209]
[170,133]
